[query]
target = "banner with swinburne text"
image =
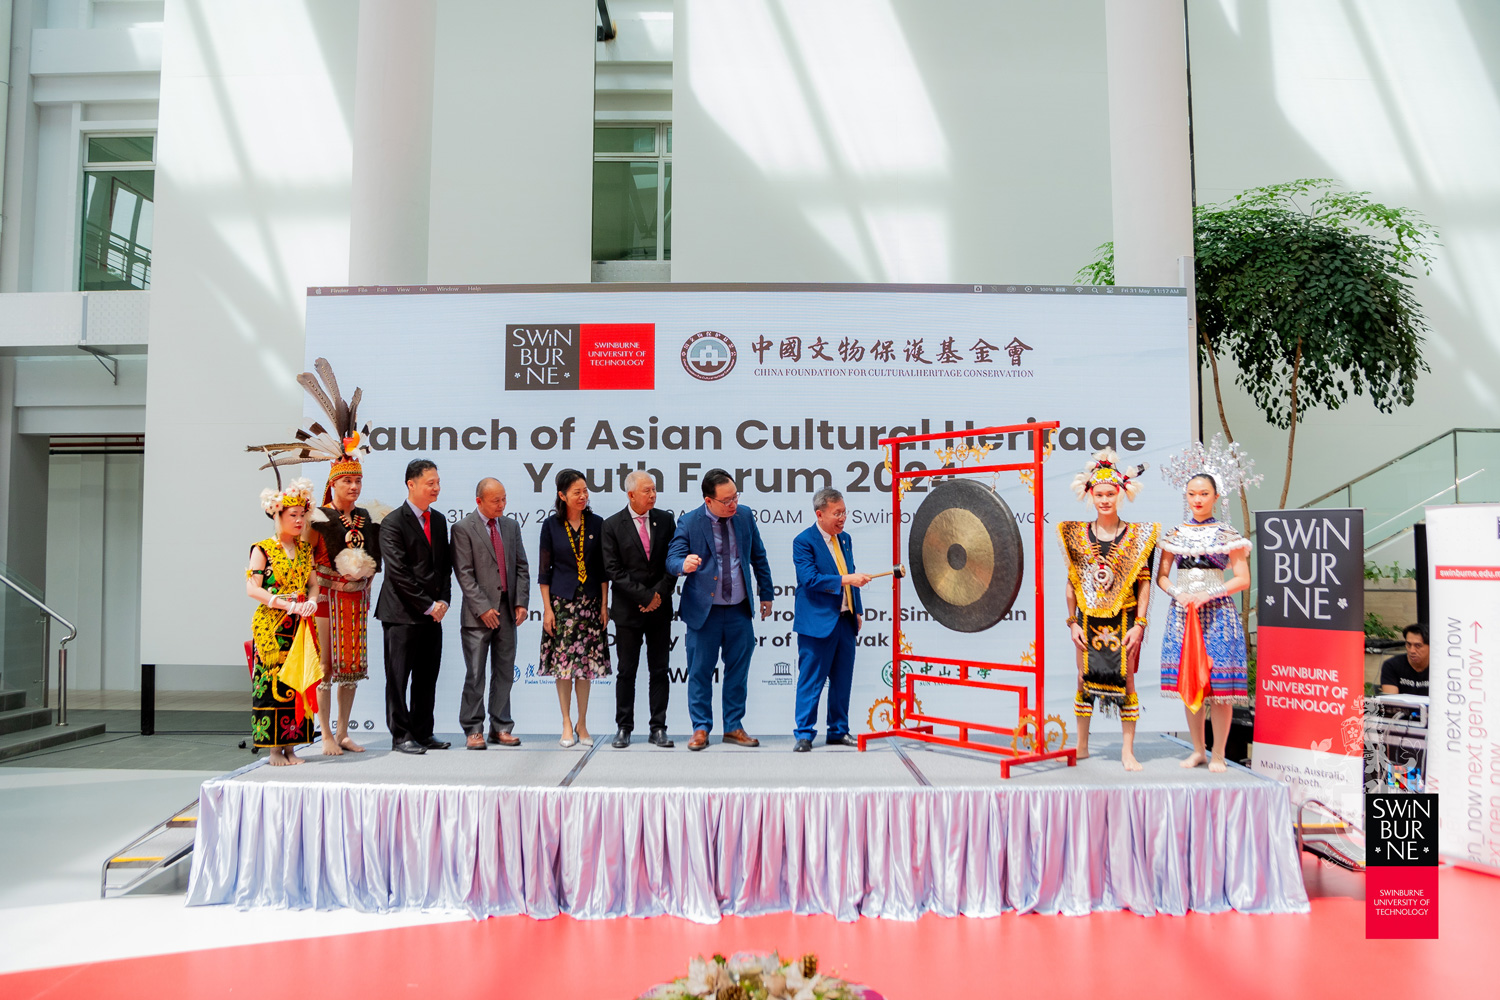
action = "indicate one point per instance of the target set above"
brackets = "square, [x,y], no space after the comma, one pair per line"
[787,387]
[1463,728]
[1310,645]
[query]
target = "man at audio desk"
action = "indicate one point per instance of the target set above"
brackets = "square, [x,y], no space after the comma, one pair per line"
[1406,673]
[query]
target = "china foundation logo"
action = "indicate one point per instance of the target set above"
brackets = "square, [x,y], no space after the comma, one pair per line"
[540,356]
[708,356]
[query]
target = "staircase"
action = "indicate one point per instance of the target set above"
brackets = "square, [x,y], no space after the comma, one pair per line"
[26,730]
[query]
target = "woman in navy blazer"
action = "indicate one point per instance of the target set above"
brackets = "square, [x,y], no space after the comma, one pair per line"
[575,601]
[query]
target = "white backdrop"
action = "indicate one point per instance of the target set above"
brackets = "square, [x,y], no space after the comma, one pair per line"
[1114,366]
[1463,729]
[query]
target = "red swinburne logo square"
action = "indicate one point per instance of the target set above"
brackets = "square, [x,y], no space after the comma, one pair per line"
[617,356]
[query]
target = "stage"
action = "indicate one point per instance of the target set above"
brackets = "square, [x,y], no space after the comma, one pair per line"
[897,831]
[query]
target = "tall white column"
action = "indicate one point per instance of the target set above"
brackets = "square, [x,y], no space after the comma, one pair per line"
[391,178]
[1149,157]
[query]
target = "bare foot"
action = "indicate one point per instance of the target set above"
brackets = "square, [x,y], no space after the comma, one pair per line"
[1083,752]
[291,756]
[330,748]
[1194,759]
[1131,764]
[348,744]
[1217,765]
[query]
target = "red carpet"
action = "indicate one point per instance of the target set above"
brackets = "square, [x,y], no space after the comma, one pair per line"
[1230,956]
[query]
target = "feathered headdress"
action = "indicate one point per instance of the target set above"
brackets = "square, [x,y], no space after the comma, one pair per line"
[1227,465]
[1106,468]
[298,493]
[343,446]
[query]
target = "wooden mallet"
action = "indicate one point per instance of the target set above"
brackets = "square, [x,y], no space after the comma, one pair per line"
[899,572]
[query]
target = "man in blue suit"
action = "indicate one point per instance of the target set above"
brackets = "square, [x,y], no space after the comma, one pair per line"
[827,620]
[713,551]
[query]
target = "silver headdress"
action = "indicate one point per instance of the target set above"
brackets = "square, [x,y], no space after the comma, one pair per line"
[1228,466]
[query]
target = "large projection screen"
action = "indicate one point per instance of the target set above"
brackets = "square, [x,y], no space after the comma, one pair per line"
[789,387]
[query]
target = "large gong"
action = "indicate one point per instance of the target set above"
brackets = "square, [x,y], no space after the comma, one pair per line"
[965,555]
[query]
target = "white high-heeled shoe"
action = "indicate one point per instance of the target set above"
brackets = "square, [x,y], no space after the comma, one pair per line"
[565,742]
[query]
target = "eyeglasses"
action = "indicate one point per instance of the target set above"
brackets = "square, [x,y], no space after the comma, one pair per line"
[727,502]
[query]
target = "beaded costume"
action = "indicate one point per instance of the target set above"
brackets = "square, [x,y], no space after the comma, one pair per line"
[1202,552]
[274,718]
[347,551]
[1105,576]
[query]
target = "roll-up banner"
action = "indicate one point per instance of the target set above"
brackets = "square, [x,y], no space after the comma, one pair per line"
[1463,729]
[1309,663]
[789,388]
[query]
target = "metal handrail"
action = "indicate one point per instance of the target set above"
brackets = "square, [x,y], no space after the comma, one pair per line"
[1406,454]
[62,651]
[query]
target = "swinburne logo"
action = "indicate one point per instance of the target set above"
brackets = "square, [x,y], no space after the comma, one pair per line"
[708,356]
[580,356]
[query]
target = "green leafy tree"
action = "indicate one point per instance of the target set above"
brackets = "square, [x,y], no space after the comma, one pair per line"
[1308,290]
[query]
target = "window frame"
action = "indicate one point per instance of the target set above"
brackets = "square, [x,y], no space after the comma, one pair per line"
[99,167]
[662,156]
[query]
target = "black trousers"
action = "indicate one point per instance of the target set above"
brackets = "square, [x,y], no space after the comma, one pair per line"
[412,656]
[656,632]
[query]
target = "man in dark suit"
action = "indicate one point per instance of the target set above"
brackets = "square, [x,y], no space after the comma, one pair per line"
[635,560]
[413,600]
[717,546]
[828,614]
[495,583]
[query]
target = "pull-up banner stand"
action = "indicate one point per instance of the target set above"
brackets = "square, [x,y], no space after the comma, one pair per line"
[1463,735]
[1309,664]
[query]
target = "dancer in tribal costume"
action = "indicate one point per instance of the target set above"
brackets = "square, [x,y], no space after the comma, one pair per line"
[1212,561]
[1109,590]
[279,579]
[346,548]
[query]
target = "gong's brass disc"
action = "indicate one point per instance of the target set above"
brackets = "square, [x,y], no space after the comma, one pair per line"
[965,555]
[958,557]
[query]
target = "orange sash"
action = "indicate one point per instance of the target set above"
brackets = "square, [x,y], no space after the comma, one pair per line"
[1193,670]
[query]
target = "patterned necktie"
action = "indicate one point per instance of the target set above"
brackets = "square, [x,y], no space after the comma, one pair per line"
[426,527]
[499,552]
[640,524]
[726,582]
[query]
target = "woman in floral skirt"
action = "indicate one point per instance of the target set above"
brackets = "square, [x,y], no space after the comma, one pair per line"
[575,602]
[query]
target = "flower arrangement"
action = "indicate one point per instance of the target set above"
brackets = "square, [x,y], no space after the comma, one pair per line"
[748,976]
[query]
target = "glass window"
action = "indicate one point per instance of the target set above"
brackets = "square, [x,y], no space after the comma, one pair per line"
[118,213]
[625,210]
[632,192]
[121,148]
[625,140]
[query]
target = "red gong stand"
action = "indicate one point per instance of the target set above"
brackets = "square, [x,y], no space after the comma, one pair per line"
[1029,743]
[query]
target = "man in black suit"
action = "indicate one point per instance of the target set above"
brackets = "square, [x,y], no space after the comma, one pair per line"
[635,560]
[413,600]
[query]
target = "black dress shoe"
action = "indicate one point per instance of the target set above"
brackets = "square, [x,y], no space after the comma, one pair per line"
[436,744]
[803,746]
[659,739]
[621,740]
[408,746]
[847,740]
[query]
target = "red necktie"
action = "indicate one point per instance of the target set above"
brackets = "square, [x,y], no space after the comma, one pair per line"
[426,527]
[499,552]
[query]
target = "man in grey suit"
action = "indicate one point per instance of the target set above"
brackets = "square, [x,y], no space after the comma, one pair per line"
[496,585]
